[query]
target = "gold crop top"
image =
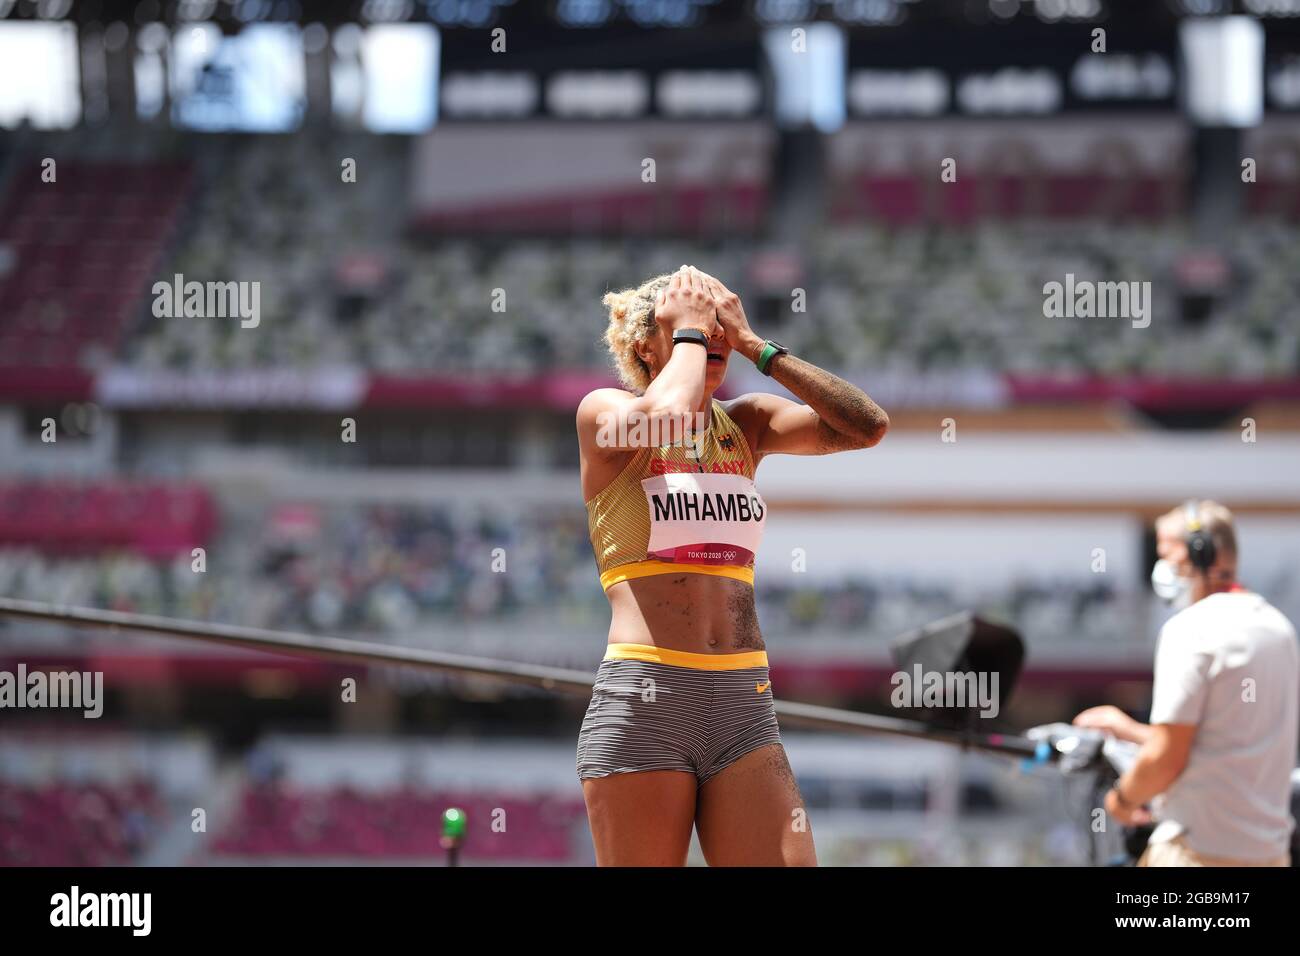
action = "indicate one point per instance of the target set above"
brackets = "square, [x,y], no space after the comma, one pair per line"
[673,510]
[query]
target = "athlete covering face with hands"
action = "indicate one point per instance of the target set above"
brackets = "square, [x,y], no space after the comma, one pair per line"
[681,731]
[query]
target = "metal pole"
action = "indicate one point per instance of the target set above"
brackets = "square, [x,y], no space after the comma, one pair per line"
[547,678]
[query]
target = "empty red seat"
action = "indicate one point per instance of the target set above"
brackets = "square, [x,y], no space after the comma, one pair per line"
[98,230]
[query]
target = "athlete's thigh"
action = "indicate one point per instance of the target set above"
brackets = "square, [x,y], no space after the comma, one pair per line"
[641,819]
[751,814]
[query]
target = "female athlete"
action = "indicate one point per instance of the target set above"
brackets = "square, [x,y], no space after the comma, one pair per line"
[681,731]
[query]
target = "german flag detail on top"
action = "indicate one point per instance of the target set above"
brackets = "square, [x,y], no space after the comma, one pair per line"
[677,509]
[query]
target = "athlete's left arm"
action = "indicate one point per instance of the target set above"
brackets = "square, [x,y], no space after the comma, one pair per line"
[837,416]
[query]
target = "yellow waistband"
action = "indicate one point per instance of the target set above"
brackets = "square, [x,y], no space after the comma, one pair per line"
[700,662]
[644,569]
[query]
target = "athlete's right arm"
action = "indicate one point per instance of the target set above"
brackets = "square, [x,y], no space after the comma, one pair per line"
[611,420]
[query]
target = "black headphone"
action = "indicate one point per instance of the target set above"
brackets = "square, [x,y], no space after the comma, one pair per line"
[1200,546]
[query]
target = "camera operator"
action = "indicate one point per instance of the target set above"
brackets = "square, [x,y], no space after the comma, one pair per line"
[1215,760]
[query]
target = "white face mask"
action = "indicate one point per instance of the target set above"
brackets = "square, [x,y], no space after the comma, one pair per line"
[1169,586]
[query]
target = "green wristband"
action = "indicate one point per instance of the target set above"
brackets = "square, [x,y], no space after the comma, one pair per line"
[765,356]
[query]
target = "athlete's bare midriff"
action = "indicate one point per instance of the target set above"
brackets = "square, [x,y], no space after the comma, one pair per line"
[699,613]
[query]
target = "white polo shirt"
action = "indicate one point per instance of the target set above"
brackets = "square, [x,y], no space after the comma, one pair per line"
[1230,664]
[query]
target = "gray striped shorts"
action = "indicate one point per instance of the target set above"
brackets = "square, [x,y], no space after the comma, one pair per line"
[655,716]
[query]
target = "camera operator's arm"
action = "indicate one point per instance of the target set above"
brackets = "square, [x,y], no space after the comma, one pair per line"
[1115,722]
[1161,759]
[1179,696]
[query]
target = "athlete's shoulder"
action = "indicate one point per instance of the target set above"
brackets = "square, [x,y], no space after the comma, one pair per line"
[607,394]
[751,412]
[753,407]
[754,410]
[599,400]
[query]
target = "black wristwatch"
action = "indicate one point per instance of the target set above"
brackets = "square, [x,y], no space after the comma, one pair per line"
[690,335]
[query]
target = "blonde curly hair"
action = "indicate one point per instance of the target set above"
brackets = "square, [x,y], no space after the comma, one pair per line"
[631,320]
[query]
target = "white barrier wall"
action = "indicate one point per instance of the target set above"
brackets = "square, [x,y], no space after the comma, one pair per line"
[77,456]
[1145,467]
[1074,144]
[966,551]
[458,168]
[1059,472]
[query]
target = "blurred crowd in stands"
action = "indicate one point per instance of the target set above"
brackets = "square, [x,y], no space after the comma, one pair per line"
[343,283]
[71,801]
[925,300]
[65,822]
[341,822]
[916,300]
[392,568]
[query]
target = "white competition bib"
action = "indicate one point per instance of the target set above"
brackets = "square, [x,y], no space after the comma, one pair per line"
[701,518]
